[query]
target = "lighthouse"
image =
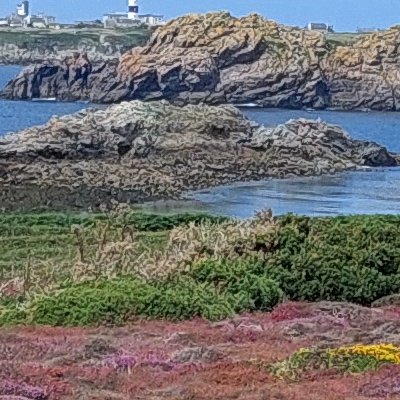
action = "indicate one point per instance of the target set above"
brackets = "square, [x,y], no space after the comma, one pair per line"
[23,9]
[133,9]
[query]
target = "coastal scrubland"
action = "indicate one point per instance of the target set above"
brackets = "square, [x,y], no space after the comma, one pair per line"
[119,304]
[86,270]
[190,306]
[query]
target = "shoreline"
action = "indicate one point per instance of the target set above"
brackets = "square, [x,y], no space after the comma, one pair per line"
[24,198]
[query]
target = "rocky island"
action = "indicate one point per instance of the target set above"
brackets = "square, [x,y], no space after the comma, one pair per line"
[137,151]
[216,58]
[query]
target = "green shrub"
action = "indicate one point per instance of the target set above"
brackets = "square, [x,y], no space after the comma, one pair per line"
[244,280]
[353,259]
[116,301]
[155,222]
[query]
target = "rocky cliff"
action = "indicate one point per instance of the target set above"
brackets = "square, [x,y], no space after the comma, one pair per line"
[138,151]
[75,78]
[366,74]
[215,58]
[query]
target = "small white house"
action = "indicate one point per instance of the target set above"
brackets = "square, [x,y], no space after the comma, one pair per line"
[320,27]
[151,19]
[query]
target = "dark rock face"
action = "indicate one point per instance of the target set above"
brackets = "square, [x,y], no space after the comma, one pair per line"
[137,151]
[75,78]
[215,58]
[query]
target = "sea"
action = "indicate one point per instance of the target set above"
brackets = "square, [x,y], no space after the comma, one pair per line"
[375,191]
[18,115]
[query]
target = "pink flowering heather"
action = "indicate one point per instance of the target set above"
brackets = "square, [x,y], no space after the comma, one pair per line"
[126,362]
[383,384]
[12,388]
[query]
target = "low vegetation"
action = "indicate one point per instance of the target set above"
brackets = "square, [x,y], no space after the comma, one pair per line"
[342,39]
[94,269]
[104,41]
[348,359]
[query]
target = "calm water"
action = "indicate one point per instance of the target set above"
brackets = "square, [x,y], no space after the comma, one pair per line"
[377,191]
[372,192]
[383,128]
[17,115]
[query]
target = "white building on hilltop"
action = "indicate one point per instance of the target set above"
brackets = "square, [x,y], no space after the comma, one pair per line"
[131,17]
[320,27]
[22,17]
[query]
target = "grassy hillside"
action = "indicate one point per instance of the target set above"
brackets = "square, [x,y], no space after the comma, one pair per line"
[109,42]
[342,39]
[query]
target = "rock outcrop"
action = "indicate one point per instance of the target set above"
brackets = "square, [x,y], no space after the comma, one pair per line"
[215,58]
[366,74]
[211,58]
[70,80]
[138,151]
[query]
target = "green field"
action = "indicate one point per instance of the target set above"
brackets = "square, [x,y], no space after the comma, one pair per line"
[342,39]
[100,39]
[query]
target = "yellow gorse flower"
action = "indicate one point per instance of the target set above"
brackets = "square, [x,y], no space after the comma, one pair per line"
[381,352]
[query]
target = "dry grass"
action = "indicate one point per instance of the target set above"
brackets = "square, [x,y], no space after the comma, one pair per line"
[191,244]
[107,251]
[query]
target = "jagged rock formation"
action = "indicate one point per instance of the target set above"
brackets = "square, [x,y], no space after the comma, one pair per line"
[70,80]
[211,58]
[215,58]
[139,151]
[366,74]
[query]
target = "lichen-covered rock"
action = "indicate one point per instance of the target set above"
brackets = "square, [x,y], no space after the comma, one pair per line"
[138,151]
[72,79]
[218,58]
[392,300]
[366,74]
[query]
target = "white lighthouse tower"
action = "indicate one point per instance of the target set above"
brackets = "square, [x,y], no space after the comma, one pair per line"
[133,9]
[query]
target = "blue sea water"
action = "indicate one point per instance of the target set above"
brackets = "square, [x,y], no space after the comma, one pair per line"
[376,191]
[17,115]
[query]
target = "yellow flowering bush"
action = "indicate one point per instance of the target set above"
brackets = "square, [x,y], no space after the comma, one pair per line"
[350,359]
[381,352]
